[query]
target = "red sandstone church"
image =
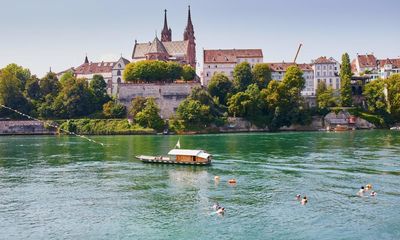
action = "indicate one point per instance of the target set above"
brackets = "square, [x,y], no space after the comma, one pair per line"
[183,52]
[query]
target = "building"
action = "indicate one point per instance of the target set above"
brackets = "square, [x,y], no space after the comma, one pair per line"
[111,72]
[365,65]
[225,60]
[387,67]
[278,71]
[165,49]
[326,70]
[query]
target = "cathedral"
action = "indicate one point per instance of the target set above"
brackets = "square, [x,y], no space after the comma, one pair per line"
[165,49]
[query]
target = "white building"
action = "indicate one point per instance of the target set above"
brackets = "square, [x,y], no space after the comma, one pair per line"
[365,65]
[225,60]
[278,71]
[111,72]
[326,70]
[387,67]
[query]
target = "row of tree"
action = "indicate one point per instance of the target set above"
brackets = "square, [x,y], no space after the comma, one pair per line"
[51,98]
[149,71]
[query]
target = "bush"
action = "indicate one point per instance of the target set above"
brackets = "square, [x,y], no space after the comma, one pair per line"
[113,109]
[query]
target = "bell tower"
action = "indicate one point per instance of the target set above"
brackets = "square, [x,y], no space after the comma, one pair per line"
[166,34]
[188,35]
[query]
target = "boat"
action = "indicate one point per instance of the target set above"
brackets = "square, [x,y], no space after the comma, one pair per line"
[180,156]
[341,128]
[395,128]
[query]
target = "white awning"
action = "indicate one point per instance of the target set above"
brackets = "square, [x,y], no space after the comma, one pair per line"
[188,152]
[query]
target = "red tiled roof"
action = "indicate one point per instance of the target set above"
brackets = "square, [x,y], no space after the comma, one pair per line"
[282,67]
[323,60]
[353,66]
[368,60]
[394,61]
[95,67]
[230,55]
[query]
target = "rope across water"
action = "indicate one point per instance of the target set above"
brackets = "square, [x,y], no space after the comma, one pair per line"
[52,125]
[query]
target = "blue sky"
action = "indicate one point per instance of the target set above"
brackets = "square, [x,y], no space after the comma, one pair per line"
[41,33]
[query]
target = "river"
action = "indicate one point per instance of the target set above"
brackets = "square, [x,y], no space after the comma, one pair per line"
[68,188]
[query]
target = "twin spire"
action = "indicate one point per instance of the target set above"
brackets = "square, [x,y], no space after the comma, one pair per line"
[166,34]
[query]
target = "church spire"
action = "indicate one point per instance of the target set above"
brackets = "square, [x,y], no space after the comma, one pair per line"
[188,35]
[86,59]
[166,34]
[189,30]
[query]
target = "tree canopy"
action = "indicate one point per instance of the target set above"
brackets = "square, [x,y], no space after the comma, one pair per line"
[242,76]
[345,81]
[220,86]
[261,75]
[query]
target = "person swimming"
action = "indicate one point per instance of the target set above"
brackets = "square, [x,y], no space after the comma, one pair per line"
[216,206]
[373,193]
[361,191]
[304,201]
[221,210]
[368,187]
[298,197]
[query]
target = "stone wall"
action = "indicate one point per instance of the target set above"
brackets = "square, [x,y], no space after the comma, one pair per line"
[168,96]
[24,128]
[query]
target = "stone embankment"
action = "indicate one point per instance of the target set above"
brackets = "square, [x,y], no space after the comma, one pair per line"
[25,128]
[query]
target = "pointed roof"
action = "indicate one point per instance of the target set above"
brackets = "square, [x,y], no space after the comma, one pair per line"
[86,59]
[157,47]
[165,21]
[189,21]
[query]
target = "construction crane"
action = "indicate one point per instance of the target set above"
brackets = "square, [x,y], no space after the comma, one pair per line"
[297,53]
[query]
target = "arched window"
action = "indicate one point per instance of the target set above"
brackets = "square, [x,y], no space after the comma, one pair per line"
[119,73]
[119,80]
[119,65]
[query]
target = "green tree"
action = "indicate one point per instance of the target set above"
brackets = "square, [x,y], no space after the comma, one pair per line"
[22,74]
[174,71]
[32,88]
[375,96]
[325,97]
[393,96]
[261,75]
[11,94]
[345,84]
[98,87]
[49,84]
[220,86]
[188,73]
[66,78]
[113,109]
[137,105]
[150,116]
[242,76]
[194,113]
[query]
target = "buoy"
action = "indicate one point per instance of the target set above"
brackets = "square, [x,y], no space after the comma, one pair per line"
[232,181]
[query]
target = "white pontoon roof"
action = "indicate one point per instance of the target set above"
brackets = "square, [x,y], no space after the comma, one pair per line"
[188,152]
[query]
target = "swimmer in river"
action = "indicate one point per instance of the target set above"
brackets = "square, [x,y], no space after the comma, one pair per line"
[304,201]
[221,210]
[361,191]
[368,187]
[298,197]
[373,193]
[216,206]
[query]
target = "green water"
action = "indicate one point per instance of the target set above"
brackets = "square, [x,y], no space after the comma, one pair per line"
[68,188]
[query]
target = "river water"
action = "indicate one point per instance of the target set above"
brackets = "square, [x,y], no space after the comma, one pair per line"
[68,188]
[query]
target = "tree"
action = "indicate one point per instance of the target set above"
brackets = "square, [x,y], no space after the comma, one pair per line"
[393,96]
[149,117]
[32,88]
[220,86]
[261,75]
[325,97]
[137,105]
[74,100]
[345,78]
[242,76]
[188,73]
[22,74]
[66,78]
[98,87]
[194,113]
[375,96]
[49,84]
[174,71]
[113,109]
[11,94]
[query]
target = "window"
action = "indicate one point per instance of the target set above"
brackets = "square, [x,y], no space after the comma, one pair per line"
[119,80]
[317,74]
[119,73]
[330,80]
[209,66]
[208,74]
[318,67]
[216,66]
[330,67]
[119,65]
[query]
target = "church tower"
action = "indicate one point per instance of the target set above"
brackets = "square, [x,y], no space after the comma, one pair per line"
[166,34]
[188,35]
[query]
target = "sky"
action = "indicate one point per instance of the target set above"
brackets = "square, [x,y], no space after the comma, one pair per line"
[39,34]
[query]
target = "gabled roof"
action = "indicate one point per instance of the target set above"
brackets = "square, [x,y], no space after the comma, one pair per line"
[324,60]
[95,67]
[230,55]
[282,66]
[157,47]
[173,48]
[368,60]
[395,62]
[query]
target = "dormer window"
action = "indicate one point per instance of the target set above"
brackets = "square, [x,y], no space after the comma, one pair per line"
[119,65]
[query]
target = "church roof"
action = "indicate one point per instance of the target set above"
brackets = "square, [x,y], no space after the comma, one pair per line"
[173,48]
[230,55]
[157,47]
[95,67]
